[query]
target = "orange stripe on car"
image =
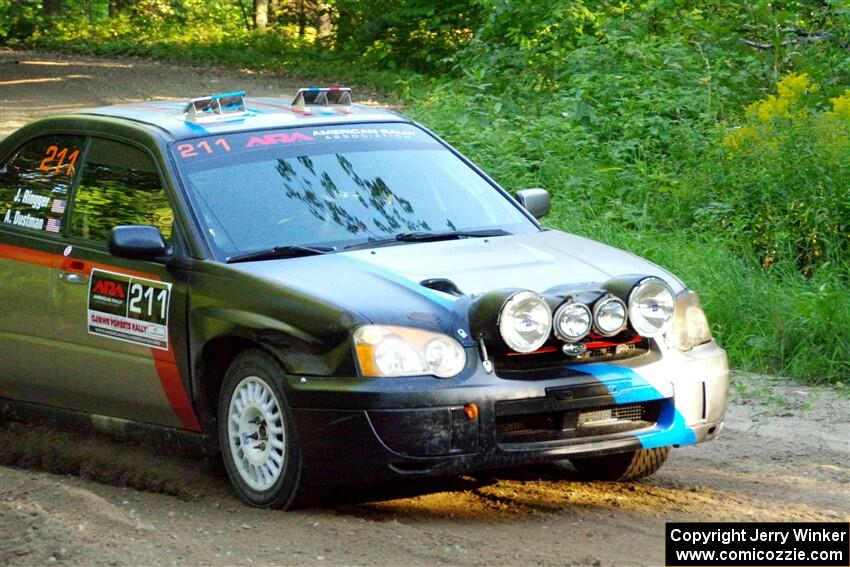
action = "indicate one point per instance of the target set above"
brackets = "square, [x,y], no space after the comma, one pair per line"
[164,361]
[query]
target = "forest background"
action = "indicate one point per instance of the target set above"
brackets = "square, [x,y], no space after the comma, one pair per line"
[712,137]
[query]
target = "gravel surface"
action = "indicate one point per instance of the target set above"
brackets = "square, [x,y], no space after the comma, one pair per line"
[71,498]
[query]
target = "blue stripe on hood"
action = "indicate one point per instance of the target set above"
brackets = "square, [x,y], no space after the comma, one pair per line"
[627,386]
[440,299]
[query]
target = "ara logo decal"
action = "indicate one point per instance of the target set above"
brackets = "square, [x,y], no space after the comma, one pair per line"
[109,288]
[272,139]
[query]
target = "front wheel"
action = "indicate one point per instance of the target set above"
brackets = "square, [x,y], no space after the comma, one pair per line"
[257,433]
[632,465]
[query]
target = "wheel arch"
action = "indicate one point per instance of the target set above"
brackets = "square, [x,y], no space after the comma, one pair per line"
[212,363]
[218,333]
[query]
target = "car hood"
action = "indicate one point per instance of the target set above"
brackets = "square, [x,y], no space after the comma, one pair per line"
[383,284]
[536,261]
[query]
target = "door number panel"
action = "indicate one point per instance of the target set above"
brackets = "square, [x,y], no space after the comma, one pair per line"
[130,309]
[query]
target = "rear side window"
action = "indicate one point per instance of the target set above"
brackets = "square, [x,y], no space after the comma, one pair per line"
[36,180]
[119,184]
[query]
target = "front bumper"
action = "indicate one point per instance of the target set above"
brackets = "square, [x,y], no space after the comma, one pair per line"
[354,430]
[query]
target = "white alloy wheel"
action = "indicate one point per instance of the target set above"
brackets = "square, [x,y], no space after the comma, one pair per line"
[256,433]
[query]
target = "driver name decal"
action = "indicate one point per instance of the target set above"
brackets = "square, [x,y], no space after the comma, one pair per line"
[130,309]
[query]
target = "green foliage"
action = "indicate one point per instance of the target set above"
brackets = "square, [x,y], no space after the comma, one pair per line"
[415,34]
[18,18]
[634,115]
[779,181]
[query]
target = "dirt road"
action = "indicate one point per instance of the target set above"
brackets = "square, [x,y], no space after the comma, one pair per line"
[74,499]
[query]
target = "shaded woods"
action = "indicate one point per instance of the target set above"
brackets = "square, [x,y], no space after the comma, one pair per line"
[712,137]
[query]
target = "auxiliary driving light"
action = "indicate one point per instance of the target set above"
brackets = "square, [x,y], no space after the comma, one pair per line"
[525,321]
[609,316]
[651,306]
[572,321]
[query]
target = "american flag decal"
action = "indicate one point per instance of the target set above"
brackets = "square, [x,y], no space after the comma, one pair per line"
[54,225]
[58,207]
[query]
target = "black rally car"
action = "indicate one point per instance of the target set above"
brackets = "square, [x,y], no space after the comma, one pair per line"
[329,292]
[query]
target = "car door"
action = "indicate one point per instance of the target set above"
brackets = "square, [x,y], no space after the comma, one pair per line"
[35,182]
[121,323]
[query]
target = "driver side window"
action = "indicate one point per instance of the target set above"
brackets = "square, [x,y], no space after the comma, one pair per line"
[35,182]
[119,185]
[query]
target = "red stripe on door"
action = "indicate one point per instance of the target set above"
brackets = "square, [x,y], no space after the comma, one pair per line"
[172,385]
[164,361]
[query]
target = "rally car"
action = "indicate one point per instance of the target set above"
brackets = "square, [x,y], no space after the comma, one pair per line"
[329,292]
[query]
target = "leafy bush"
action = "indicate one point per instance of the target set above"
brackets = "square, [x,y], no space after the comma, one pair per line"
[779,184]
[18,18]
[414,34]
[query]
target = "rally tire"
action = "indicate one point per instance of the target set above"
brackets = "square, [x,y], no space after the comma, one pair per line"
[256,432]
[632,465]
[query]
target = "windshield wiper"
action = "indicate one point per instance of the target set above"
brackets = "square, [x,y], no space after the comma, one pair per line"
[430,237]
[289,251]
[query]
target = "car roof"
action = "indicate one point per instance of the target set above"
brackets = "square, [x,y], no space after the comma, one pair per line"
[261,113]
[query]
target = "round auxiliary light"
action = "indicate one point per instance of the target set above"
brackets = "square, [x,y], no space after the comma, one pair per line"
[525,321]
[651,306]
[572,321]
[609,316]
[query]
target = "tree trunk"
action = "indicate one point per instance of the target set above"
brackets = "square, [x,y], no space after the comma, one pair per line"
[323,20]
[274,12]
[302,18]
[261,14]
[51,7]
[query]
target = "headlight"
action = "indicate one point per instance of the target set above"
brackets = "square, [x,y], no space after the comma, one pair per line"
[609,315]
[690,327]
[572,321]
[651,307]
[525,321]
[384,350]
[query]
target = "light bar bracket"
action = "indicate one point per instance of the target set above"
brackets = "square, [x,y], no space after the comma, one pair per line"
[222,106]
[321,96]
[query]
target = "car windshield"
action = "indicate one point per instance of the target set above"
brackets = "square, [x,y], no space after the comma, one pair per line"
[335,186]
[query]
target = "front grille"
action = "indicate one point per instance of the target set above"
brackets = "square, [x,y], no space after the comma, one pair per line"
[550,362]
[578,423]
[625,412]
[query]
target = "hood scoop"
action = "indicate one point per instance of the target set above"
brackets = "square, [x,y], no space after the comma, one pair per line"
[444,285]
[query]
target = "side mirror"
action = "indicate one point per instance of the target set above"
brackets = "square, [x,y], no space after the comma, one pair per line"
[138,242]
[535,201]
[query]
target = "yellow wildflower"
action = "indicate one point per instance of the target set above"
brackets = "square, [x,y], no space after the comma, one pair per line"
[791,89]
[841,105]
[793,86]
[739,138]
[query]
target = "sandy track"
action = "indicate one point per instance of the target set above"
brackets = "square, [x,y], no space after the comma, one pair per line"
[79,499]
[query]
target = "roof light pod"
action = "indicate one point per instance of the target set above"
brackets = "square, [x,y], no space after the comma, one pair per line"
[216,107]
[323,96]
[651,306]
